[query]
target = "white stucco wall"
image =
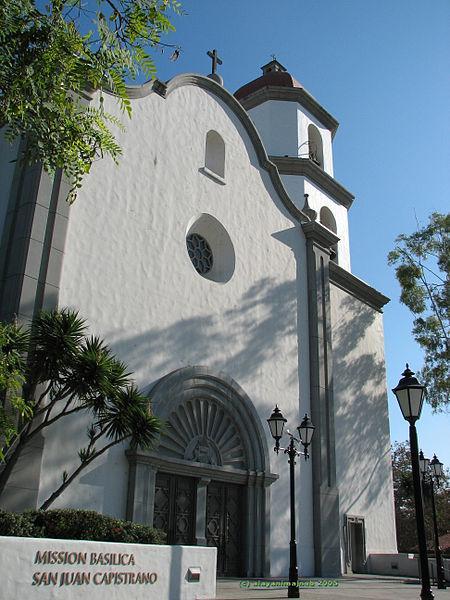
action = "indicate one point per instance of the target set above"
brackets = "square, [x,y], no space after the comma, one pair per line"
[283,126]
[404,565]
[44,569]
[276,122]
[363,457]
[126,269]
[297,186]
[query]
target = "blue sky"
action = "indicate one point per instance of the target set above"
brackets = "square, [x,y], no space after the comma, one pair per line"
[381,67]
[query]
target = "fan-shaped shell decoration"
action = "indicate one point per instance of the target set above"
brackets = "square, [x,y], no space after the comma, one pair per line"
[199,430]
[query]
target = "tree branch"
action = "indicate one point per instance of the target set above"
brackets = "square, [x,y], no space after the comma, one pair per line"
[54,419]
[433,303]
[426,285]
[77,471]
[42,396]
[57,397]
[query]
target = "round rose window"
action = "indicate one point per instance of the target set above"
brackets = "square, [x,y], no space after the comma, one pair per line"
[200,253]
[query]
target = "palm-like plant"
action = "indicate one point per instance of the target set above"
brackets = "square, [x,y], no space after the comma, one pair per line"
[55,338]
[68,372]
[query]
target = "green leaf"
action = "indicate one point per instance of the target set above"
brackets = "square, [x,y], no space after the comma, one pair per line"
[47,60]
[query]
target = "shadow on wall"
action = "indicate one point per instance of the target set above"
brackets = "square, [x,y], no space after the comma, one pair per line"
[361,407]
[248,335]
[252,333]
[239,340]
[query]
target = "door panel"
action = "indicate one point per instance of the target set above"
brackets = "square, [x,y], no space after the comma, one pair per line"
[224,526]
[174,508]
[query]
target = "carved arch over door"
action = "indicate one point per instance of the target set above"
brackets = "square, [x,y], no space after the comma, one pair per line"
[213,433]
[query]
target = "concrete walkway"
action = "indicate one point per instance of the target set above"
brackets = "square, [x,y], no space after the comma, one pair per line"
[348,587]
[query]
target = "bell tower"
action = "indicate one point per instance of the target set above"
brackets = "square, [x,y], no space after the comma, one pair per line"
[297,133]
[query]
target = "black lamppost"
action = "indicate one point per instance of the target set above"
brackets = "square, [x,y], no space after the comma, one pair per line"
[433,471]
[305,432]
[410,394]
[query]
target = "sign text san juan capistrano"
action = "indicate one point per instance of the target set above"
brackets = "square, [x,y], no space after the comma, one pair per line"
[90,574]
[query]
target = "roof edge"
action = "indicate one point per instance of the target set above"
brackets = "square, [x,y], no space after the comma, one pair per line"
[165,89]
[299,95]
[293,165]
[356,287]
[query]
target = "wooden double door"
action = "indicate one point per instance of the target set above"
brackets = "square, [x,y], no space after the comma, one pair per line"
[174,508]
[224,526]
[175,512]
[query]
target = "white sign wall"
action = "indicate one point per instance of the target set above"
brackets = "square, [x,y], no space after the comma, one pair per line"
[41,569]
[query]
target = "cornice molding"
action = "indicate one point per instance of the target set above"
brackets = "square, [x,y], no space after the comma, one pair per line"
[141,91]
[299,95]
[320,234]
[241,476]
[292,165]
[165,89]
[356,287]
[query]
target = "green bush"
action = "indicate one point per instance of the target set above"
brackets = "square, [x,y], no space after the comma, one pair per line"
[17,524]
[72,524]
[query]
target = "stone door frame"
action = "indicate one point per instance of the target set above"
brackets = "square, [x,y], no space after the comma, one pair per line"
[350,532]
[171,392]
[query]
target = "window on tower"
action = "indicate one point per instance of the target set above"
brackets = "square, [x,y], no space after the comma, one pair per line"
[215,154]
[327,219]
[315,145]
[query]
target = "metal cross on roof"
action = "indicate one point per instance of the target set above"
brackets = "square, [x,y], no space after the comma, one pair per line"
[215,60]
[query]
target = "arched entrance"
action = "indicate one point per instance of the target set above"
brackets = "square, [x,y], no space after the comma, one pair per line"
[207,482]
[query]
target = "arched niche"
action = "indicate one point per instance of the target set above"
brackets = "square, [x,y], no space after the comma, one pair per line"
[315,145]
[213,435]
[327,219]
[215,153]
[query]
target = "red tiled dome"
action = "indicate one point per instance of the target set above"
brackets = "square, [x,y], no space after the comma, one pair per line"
[271,77]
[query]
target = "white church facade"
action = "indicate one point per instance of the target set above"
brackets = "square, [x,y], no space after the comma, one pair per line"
[215,261]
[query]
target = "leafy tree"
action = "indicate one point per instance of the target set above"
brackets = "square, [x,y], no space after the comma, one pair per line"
[67,372]
[52,53]
[422,262]
[13,345]
[403,497]
[404,502]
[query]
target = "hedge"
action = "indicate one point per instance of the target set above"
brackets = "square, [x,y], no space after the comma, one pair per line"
[73,524]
